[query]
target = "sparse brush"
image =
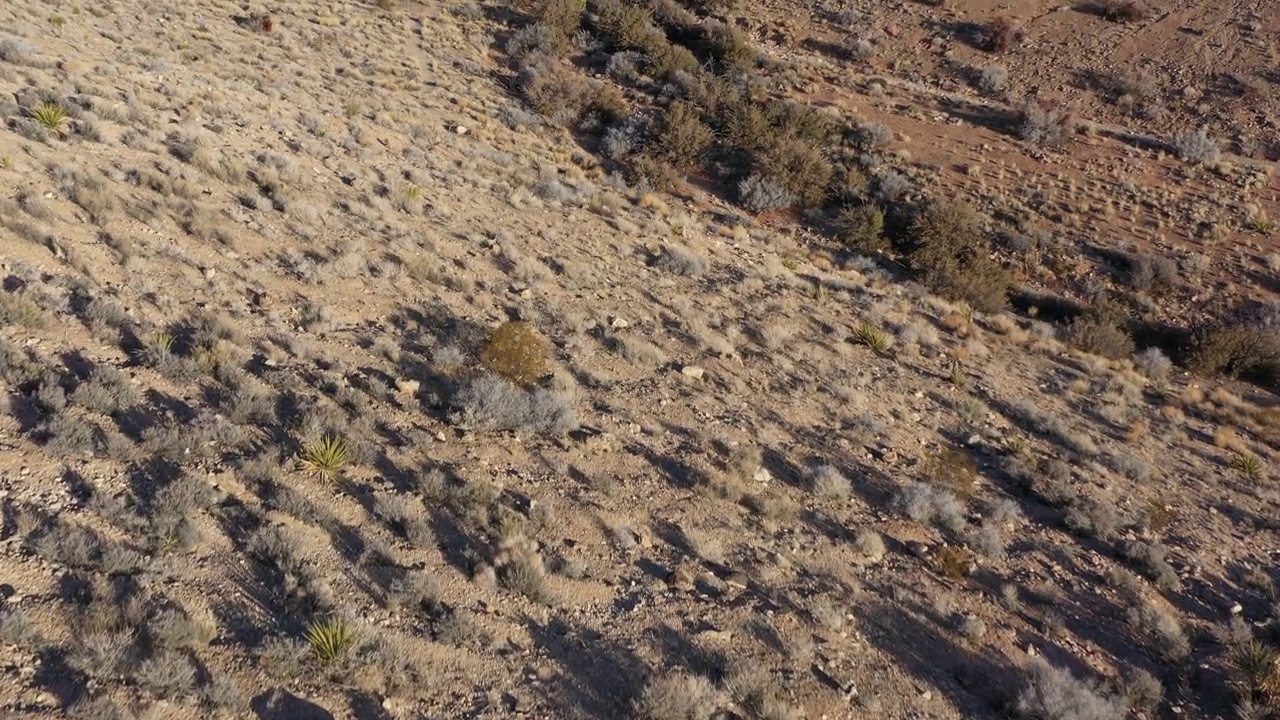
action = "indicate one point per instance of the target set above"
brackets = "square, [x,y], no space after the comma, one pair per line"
[952,470]
[1246,464]
[331,639]
[1052,693]
[16,628]
[873,337]
[954,562]
[326,457]
[1122,11]
[1000,36]
[53,117]
[677,697]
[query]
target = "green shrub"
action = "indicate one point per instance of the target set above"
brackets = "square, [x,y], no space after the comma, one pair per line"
[747,125]
[554,91]
[665,60]
[680,139]
[949,252]
[562,17]
[729,46]
[797,165]
[516,352]
[629,26]
[861,228]
[802,120]
[1257,670]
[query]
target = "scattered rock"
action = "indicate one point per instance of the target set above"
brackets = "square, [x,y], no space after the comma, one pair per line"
[681,579]
[692,371]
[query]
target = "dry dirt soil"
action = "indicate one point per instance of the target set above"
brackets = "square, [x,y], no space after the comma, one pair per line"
[258,458]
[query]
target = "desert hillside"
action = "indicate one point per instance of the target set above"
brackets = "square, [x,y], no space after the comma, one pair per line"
[652,359]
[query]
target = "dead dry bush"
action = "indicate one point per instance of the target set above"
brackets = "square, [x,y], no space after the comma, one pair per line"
[1101,330]
[1244,343]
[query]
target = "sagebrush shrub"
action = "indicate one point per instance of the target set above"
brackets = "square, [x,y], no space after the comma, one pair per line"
[1196,147]
[1052,693]
[490,403]
[924,503]
[517,352]
[681,260]
[760,194]
[531,43]
[1161,629]
[1153,363]
[677,696]
[1044,124]
[993,78]
[557,93]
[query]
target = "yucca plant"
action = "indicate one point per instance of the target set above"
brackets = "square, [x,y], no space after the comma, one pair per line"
[1257,669]
[872,337]
[1246,464]
[1018,445]
[160,342]
[326,457]
[1262,224]
[330,639]
[53,117]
